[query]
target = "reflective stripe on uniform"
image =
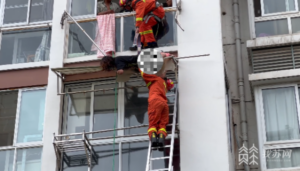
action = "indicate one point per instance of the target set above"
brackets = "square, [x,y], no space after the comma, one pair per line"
[165,85]
[146,32]
[149,84]
[152,129]
[121,2]
[162,129]
[142,73]
[139,19]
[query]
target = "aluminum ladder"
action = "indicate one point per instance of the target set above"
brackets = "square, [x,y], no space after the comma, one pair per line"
[171,146]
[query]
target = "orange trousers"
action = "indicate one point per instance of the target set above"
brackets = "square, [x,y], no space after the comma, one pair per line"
[158,113]
[146,31]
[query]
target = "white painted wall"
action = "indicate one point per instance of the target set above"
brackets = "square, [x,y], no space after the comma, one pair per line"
[203,127]
[53,101]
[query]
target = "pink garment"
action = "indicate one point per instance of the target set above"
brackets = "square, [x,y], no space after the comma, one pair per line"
[105,36]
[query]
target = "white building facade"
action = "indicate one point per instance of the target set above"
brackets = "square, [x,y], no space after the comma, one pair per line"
[244,94]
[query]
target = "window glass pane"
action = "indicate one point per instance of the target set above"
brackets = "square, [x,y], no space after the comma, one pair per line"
[114,6]
[270,28]
[296,25]
[104,105]
[15,11]
[118,34]
[169,38]
[134,156]
[273,6]
[32,111]
[80,7]
[41,10]
[129,32]
[29,159]
[6,160]
[79,43]
[8,108]
[77,111]
[25,46]
[257,8]
[106,155]
[283,158]
[136,107]
[280,111]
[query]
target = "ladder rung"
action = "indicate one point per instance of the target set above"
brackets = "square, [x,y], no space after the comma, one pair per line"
[171,95]
[160,170]
[160,158]
[166,146]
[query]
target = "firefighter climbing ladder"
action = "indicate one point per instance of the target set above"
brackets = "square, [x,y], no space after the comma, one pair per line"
[171,146]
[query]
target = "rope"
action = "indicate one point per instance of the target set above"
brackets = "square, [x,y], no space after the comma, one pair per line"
[115,119]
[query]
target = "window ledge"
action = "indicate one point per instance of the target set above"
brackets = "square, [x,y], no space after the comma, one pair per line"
[272,77]
[273,41]
[126,53]
[24,66]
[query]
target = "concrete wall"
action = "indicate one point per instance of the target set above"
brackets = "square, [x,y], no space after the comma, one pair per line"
[230,59]
[53,101]
[203,122]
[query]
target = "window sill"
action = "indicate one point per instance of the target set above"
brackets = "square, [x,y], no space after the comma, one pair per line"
[126,53]
[25,145]
[277,16]
[270,41]
[275,77]
[24,66]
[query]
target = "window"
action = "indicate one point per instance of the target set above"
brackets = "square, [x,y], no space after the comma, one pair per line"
[88,8]
[96,111]
[279,126]
[25,46]
[270,28]
[27,11]
[21,129]
[267,7]
[90,111]
[80,45]
[276,17]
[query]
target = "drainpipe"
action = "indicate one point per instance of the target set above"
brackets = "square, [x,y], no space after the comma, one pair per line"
[240,77]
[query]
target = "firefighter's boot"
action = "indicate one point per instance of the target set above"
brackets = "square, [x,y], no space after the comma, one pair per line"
[161,141]
[153,139]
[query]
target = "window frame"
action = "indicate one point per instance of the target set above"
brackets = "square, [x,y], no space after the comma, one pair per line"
[278,13]
[273,16]
[262,139]
[26,64]
[17,121]
[18,146]
[26,23]
[120,113]
[91,18]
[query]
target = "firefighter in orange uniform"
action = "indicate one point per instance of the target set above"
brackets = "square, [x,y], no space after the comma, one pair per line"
[158,109]
[148,14]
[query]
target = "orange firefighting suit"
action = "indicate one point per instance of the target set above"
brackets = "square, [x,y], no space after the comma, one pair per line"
[158,109]
[142,8]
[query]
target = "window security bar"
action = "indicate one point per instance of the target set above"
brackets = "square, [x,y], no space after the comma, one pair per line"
[61,72]
[63,144]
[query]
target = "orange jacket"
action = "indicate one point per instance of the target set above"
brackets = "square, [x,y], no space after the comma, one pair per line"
[143,7]
[156,85]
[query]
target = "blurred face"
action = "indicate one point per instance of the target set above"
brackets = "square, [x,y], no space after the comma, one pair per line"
[169,2]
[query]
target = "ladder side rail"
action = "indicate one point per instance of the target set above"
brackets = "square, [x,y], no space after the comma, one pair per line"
[173,131]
